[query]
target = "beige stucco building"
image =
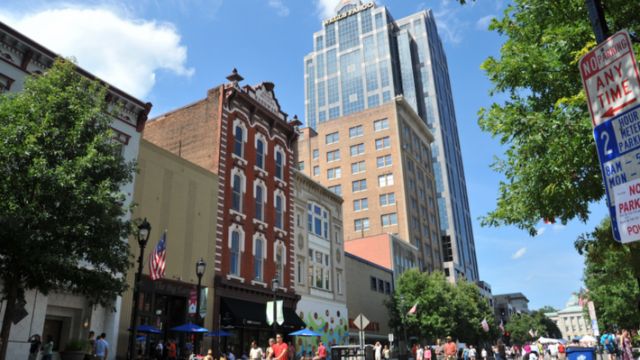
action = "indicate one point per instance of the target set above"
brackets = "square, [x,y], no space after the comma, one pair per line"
[180,197]
[379,161]
[319,264]
[571,320]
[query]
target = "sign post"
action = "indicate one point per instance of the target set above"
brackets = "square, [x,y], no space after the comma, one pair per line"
[361,323]
[612,84]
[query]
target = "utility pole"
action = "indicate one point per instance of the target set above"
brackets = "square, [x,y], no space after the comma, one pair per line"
[598,22]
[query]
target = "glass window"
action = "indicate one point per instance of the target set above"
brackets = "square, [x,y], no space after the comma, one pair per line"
[379,22]
[332,138]
[373,100]
[334,112]
[389,219]
[371,77]
[316,154]
[319,43]
[369,45]
[321,94]
[260,193]
[387,287]
[332,90]
[384,161]
[333,155]
[365,20]
[360,204]
[316,170]
[234,261]
[258,259]
[387,199]
[319,270]
[318,220]
[385,180]
[357,149]
[382,124]
[279,212]
[334,173]
[236,198]
[359,185]
[374,283]
[361,224]
[355,131]
[332,63]
[380,285]
[336,189]
[279,165]
[348,34]
[330,34]
[383,143]
[280,264]
[238,141]
[260,146]
[357,167]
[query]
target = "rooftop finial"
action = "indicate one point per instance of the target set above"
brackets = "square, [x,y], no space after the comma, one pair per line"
[235,78]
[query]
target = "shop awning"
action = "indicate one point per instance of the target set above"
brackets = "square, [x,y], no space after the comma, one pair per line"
[249,313]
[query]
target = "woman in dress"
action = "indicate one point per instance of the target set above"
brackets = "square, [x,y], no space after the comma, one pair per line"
[627,352]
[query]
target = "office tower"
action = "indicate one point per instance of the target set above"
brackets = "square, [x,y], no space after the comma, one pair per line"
[363,58]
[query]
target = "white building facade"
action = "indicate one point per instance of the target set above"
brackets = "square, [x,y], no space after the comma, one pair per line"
[319,264]
[65,316]
[571,320]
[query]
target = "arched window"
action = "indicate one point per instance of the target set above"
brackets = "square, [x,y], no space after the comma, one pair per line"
[258,258]
[238,140]
[260,153]
[234,261]
[280,163]
[236,199]
[279,200]
[260,197]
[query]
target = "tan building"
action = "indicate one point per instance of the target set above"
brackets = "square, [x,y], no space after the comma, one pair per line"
[571,320]
[379,161]
[319,264]
[368,287]
[180,197]
[386,250]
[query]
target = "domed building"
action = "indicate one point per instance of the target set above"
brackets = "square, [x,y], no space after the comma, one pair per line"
[571,320]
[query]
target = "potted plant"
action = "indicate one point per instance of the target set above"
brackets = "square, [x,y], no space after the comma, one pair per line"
[74,350]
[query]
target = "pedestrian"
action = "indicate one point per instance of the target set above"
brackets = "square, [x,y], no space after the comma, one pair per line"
[386,352]
[500,353]
[321,353]
[377,350]
[231,355]
[626,348]
[561,352]
[465,352]
[608,341]
[47,348]
[280,349]
[209,355]
[34,348]
[172,350]
[419,352]
[483,354]
[427,352]
[269,350]
[292,351]
[159,349]
[450,349]
[255,353]
[472,352]
[102,347]
[91,344]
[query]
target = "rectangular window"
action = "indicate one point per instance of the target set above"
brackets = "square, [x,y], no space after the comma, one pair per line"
[316,154]
[389,219]
[359,185]
[334,173]
[357,149]
[357,167]
[332,138]
[380,285]
[355,131]
[333,155]
[385,180]
[380,125]
[383,143]
[387,288]
[336,189]
[384,161]
[360,204]
[387,199]
[316,170]
[301,165]
[374,284]
[361,224]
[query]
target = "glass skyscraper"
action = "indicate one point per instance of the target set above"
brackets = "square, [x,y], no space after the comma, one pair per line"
[363,58]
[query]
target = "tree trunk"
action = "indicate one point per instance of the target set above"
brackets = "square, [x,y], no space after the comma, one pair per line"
[12,295]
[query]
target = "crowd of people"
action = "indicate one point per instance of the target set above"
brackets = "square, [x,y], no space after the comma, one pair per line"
[95,348]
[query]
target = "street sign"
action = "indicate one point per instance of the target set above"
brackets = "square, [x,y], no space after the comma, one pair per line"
[610,77]
[618,145]
[390,338]
[193,299]
[361,322]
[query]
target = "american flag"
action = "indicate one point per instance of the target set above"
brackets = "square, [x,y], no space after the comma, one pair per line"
[501,326]
[413,309]
[157,258]
[485,325]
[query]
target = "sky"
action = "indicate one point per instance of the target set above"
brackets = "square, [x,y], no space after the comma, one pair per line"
[170,52]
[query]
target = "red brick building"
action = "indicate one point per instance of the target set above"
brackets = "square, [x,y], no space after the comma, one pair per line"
[240,133]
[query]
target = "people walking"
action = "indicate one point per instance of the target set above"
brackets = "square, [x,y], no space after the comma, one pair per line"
[377,350]
[386,353]
[419,352]
[321,353]
[472,353]
[483,354]
[255,353]
[427,352]
[34,348]
[172,350]
[450,349]
[102,347]
[626,348]
[269,349]
[47,348]
[91,345]
[280,349]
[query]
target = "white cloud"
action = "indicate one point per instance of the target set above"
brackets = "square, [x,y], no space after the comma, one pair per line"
[450,26]
[540,231]
[520,253]
[326,8]
[122,51]
[280,7]
[483,22]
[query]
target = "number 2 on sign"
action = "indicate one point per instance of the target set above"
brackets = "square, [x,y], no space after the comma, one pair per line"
[604,136]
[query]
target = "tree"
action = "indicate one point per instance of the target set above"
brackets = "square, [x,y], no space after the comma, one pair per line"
[61,214]
[528,327]
[610,278]
[442,308]
[550,166]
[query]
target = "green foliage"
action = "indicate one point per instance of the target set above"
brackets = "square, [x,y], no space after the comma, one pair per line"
[443,309]
[61,214]
[520,326]
[610,277]
[550,166]
[76,345]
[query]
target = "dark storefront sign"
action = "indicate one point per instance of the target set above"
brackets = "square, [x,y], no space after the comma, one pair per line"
[246,313]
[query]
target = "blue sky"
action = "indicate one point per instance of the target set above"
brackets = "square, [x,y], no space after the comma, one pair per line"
[170,52]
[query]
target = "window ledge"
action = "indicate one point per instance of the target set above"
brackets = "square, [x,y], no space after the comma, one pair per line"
[239,159]
[259,283]
[260,222]
[236,213]
[234,277]
[260,170]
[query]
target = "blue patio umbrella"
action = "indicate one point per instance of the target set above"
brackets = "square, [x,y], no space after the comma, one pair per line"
[147,329]
[190,328]
[305,332]
[218,333]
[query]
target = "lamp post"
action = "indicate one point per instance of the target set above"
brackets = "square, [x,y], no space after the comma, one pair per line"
[200,268]
[403,317]
[144,229]
[274,286]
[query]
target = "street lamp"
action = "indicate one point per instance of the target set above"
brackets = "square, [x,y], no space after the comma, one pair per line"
[274,286]
[144,229]
[403,318]
[200,267]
